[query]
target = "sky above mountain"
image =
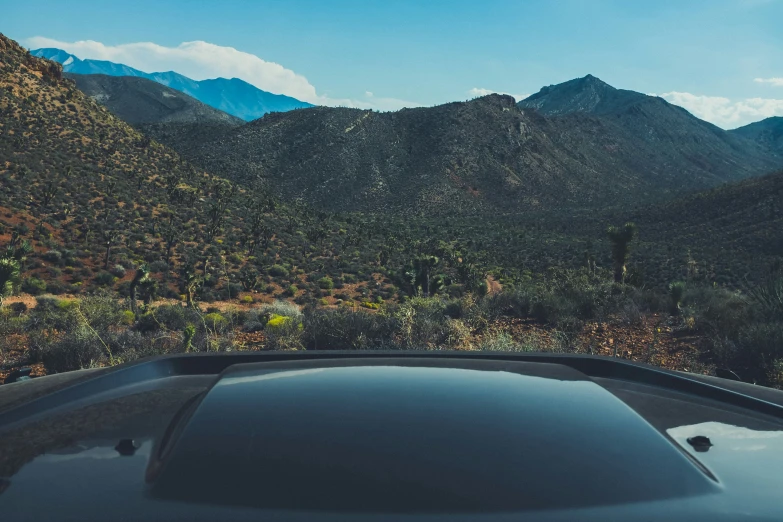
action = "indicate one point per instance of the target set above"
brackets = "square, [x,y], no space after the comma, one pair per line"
[720,59]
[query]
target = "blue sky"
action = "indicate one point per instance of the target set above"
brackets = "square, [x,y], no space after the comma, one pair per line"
[703,54]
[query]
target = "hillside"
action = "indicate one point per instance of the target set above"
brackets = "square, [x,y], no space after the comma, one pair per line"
[233,96]
[97,199]
[140,101]
[768,133]
[656,136]
[485,154]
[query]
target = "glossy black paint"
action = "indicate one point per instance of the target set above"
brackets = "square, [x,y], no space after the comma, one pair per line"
[448,439]
[367,437]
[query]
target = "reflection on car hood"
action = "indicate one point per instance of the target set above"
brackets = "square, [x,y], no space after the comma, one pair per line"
[389,439]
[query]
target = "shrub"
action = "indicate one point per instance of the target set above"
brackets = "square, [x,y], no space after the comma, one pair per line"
[171,317]
[323,301]
[52,256]
[33,286]
[281,307]
[104,279]
[18,308]
[344,329]
[128,317]
[118,271]
[371,306]
[158,267]
[499,342]
[283,333]
[278,271]
[292,290]
[216,322]
[247,299]
[325,283]
[77,349]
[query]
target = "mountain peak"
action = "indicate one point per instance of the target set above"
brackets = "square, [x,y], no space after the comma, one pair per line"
[587,94]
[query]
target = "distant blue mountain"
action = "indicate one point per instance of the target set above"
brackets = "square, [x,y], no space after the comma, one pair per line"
[233,96]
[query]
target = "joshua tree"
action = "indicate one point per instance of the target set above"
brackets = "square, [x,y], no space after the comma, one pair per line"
[621,239]
[190,282]
[142,275]
[420,273]
[10,277]
[676,293]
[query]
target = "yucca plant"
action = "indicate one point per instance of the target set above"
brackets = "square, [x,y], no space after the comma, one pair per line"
[10,277]
[676,293]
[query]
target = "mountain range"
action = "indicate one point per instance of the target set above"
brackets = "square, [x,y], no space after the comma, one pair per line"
[582,143]
[86,182]
[233,96]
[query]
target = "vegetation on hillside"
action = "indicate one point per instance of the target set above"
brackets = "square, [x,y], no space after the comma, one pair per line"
[126,246]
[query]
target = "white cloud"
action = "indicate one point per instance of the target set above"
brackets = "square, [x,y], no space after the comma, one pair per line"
[724,112]
[777,82]
[202,60]
[475,92]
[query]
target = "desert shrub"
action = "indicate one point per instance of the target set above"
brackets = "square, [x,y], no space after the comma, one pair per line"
[104,279]
[79,348]
[55,287]
[499,342]
[118,271]
[755,355]
[515,302]
[52,256]
[283,308]
[323,301]
[159,267]
[325,283]
[344,329]
[33,286]
[18,308]
[170,317]
[283,333]
[278,271]
[128,317]
[291,290]
[246,299]
[717,311]
[216,322]
[423,323]
[458,334]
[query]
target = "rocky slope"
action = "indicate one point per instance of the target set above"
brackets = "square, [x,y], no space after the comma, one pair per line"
[610,147]
[768,133]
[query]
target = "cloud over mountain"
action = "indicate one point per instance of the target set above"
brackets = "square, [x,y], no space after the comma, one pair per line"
[203,60]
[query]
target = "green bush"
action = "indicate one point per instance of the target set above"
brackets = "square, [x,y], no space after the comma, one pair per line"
[344,329]
[292,290]
[104,279]
[325,283]
[33,286]
[278,271]
[216,322]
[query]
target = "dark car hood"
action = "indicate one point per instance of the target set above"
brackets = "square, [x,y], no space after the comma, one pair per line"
[389,438]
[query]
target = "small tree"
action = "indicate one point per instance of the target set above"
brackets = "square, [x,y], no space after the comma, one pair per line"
[190,283]
[676,293]
[420,272]
[10,277]
[621,240]
[142,274]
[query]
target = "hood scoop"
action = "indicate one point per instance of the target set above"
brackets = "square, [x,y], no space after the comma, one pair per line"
[416,436]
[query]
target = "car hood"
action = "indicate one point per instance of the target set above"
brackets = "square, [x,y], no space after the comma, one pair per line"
[389,437]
